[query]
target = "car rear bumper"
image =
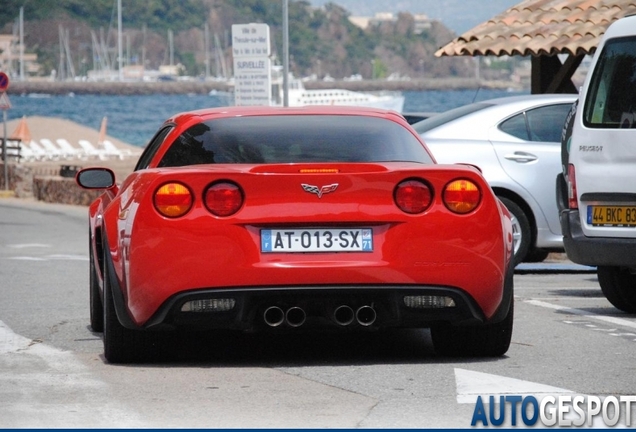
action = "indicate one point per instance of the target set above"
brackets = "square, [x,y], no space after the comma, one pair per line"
[318,305]
[594,251]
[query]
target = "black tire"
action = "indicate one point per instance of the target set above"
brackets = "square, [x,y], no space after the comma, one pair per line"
[536,255]
[123,345]
[521,230]
[489,340]
[95,295]
[618,286]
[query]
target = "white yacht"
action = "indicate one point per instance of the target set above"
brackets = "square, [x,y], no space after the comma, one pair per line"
[300,96]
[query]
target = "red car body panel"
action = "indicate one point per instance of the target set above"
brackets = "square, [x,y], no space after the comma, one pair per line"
[155,257]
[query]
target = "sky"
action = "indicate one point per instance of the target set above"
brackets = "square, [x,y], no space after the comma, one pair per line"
[458,15]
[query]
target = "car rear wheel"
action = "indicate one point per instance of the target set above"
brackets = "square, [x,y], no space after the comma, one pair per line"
[96,305]
[123,345]
[618,286]
[522,236]
[490,340]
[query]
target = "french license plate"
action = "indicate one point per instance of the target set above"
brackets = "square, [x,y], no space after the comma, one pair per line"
[611,216]
[317,240]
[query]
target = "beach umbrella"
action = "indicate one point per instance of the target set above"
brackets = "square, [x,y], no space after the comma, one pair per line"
[22,131]
[102,131]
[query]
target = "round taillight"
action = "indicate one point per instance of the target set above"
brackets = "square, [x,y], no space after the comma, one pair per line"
[413,196]
[461,196]
[223,199]
[173,200]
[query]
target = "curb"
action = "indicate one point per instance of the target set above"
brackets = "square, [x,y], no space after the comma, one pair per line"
[7,194]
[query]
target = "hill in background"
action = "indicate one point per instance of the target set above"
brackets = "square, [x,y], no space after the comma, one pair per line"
[323,41]
[458,15]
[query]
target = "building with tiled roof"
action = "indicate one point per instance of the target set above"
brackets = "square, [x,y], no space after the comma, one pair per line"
[542,29]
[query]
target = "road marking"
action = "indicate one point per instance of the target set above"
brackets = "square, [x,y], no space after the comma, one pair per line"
[471,384]
[29,245]
[11,342]
[26,258]
[55,257]
[586,314]
[44,387]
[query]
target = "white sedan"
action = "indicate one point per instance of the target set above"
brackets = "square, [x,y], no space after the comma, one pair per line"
[516,142]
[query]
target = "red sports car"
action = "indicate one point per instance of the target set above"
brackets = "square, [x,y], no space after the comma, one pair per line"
[259,218]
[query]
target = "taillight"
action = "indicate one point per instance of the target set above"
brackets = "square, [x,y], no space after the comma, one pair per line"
[413,196]
[461,196]
[223,198]
[173,200]
[572,201]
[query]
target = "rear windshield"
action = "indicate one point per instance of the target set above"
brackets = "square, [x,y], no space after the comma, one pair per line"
[289,139]
[611,101]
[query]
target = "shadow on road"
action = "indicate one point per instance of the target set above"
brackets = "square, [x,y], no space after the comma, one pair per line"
[233,349]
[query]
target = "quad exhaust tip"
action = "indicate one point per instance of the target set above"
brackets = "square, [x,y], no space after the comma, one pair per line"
[343,315]
[295,316]
[274,316]
[366,315]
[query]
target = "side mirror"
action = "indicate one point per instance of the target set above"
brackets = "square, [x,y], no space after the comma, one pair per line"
[95,178]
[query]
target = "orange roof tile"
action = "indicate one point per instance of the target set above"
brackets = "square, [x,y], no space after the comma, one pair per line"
[542,27]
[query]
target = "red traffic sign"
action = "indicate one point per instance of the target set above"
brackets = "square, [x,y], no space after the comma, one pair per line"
[4,81]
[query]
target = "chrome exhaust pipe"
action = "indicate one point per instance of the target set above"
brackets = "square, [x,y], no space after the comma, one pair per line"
[274,316]
[295,316]
[343,315]
[365,315]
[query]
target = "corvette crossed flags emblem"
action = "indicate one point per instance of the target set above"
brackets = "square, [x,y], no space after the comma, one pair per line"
[320,191]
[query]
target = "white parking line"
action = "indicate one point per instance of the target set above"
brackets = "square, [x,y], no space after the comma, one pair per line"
[29,245]
[44,387]
[63,257]
[586,314]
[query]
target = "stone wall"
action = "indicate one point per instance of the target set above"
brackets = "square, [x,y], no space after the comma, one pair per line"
[20,180]
[46,184]
[61,190]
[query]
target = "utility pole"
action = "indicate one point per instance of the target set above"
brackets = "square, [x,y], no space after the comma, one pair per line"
[22,44]
[286,53]
[206,47]
[120,48]
[171,46]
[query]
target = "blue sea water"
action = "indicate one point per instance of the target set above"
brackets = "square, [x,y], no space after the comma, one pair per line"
[135,119]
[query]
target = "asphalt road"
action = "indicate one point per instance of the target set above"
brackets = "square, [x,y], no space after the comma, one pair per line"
[568,340]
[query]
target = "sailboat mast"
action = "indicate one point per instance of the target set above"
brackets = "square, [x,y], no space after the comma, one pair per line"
[206,47]
[22,43]
[120,53]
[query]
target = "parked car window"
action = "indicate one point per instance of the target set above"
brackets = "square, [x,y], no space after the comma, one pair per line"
[612,98]
[448,116]
[289,139]
[543,124]
[546,123]
[516,126]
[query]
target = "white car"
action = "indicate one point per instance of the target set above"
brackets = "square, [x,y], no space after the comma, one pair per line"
[516,142]
[598,189]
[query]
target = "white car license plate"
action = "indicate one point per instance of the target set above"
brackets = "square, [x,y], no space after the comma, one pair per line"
[317,240]
[612,216]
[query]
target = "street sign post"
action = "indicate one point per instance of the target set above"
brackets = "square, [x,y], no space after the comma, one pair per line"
[4,106]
